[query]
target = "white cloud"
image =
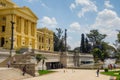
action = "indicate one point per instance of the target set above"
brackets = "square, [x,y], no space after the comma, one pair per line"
[48,22]
[44,5]
[108,5]
[31,0]
[72,6]
[85,6]
[73,44]
[75,26]
[40,1]
[107,21]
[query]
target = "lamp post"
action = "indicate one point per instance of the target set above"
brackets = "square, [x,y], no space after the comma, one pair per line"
[12,35]
[65,40]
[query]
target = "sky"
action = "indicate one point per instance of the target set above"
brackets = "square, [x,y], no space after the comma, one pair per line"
[77,16]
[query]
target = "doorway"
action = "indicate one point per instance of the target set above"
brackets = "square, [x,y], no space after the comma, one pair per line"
[2,42]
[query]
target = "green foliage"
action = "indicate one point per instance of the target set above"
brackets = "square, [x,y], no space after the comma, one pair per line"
[97,53]
[106,69]
[112,73]
[95,37]
[117,43]
[38,57]
[59,40]
[85,47]
[118,37]
[43,72]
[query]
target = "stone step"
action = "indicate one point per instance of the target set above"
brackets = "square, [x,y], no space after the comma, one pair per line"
[12,74]
[2,58]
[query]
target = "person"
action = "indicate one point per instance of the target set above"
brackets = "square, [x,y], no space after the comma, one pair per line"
[97,72]
[111,66]
[24,70]
[8,63]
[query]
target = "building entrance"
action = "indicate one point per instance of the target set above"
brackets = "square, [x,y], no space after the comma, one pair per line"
[2,42]
[53,65]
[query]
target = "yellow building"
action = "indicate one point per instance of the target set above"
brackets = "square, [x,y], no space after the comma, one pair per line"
[25,31]
[24,27]
[45,39]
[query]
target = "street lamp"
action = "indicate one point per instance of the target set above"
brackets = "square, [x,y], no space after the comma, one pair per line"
[65,40]
[12,35]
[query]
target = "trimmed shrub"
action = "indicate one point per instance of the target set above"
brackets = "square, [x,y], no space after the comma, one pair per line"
[106,69]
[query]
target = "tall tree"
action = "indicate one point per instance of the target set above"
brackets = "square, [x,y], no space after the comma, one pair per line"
[82,46]
[95,37]
[59,40]
[118,37]
[117,45]
[87,46]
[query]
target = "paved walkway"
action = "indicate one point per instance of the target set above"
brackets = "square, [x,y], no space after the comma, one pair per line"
[12,74]
[71,75]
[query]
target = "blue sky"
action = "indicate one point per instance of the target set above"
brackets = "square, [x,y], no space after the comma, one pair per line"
[77,16]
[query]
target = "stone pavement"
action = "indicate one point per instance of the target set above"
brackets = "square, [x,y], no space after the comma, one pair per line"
[71,74]
[12,74]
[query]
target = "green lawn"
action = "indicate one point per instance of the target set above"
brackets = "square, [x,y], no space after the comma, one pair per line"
[113,73]
[43,72]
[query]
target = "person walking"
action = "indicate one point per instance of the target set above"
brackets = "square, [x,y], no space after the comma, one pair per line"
[97,72]
[24,70]
[8,63]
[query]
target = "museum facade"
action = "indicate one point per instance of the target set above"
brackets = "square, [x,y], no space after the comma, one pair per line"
[25,32]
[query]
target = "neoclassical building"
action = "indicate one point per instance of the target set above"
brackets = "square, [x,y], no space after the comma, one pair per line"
[45,39]
[25,29]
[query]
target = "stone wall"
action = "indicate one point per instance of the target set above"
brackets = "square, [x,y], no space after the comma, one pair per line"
[30,68]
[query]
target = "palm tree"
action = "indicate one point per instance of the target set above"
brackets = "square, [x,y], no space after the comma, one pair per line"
[39,57]
[43,61]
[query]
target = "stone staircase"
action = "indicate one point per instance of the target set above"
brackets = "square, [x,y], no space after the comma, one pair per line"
[12,74]
[26,58]
[4,56]
[20,58]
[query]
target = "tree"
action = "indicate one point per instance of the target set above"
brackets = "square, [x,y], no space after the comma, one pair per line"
[117,45]
[95,37]
[39,57]
[82,46]
[56,43]
[59,41]
[97,54]
[87,46]
[43,61]
[118,37]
